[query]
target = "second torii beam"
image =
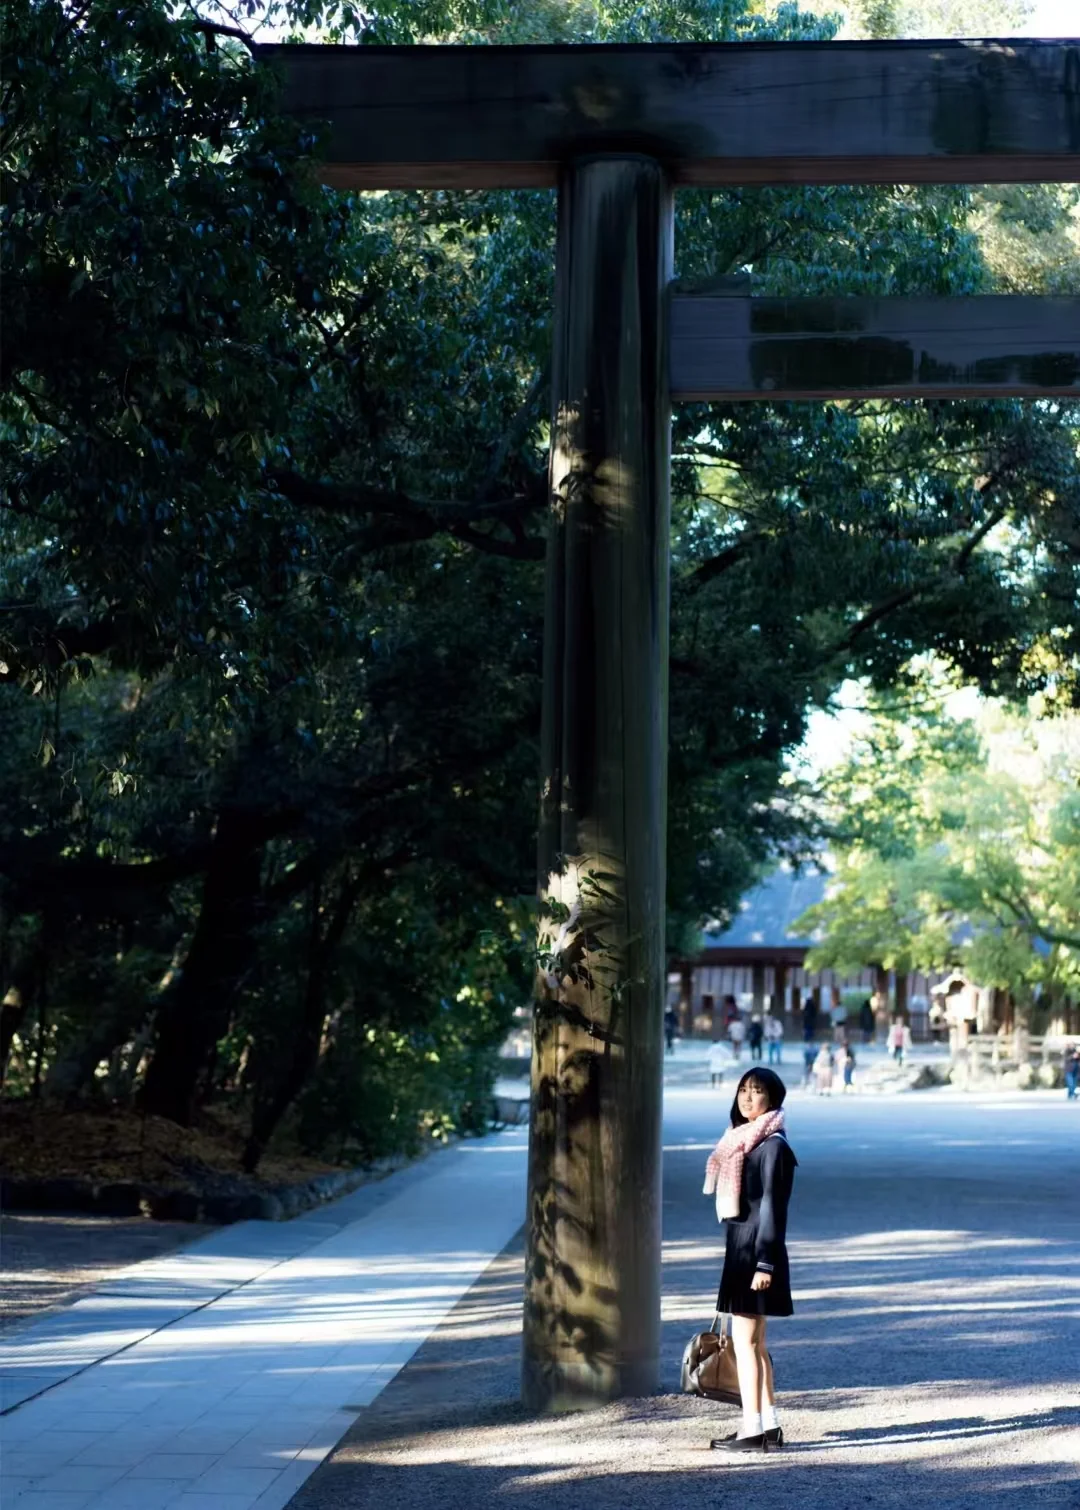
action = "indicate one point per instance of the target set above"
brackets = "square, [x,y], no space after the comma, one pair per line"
[993,346]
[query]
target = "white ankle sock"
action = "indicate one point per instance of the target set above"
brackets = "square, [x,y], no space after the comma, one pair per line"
[769,1418]
[751,1424]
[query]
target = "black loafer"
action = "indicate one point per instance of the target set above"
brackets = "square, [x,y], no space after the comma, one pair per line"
[740,1444]
[774,1435]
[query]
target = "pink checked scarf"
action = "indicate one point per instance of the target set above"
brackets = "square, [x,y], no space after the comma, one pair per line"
[724,1166]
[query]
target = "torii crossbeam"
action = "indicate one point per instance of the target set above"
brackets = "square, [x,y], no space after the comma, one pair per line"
[616,128]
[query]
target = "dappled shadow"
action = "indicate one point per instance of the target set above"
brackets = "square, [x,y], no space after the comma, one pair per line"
[930,1361]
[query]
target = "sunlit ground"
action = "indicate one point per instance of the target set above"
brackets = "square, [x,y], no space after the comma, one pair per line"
[934,1356]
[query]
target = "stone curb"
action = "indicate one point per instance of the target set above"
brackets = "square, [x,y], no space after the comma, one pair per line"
[134,1198]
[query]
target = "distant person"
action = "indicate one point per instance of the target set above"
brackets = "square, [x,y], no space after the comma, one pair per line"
[847,1066]
[755,1037]
[866,1021]
[671,1023]
[718,1058]
[880,1003]
[774,1038]
[1072,1071]
[737,1034]
[839,1018]
[899,1039]
[809,1020]
[809,1055]
[823,1071]
[730,1011]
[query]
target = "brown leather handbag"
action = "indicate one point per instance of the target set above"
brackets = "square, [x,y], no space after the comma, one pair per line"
[708,1365]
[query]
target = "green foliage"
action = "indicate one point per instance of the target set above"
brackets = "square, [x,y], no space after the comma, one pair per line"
[885,19]
[270,545]
[959,847]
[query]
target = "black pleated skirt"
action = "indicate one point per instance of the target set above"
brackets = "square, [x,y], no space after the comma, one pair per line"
[740,1265]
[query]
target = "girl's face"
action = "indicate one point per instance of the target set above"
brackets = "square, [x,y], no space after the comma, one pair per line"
[753,1100]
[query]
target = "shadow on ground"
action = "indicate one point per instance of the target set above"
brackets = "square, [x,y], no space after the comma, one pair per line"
[932,1360]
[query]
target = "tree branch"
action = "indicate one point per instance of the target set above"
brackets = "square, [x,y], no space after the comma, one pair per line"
[416,519]
[1027,920]
[341,498]
[211,31]
[958,567]
[53,646]
[716,565]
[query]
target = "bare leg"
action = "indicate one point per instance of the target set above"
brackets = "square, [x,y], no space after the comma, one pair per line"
[767,1395]
[744,1335]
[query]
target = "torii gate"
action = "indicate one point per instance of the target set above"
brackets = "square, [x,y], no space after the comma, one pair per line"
[615,128]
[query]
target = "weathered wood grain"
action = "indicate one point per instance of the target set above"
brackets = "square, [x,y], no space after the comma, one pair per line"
[722,113]
[991,346]
[592,1274]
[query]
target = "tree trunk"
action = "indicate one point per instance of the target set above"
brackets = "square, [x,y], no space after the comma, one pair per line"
[902,993]
[686,999]
[272,1106]
[195,1010]
[592,1292]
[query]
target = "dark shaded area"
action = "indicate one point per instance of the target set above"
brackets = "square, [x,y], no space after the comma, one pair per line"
[48,1261]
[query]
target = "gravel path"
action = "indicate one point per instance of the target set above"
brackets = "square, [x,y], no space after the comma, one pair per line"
[53,1260]
[934,1356]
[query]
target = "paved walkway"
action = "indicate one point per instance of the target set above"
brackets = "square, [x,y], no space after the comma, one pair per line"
[934,1357]
[49,1259]
[219,1377]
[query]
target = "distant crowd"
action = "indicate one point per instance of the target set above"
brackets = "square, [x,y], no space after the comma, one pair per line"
[824,1064]
[831,1062]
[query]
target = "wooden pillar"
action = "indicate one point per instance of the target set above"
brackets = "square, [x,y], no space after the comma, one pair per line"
[758,986]
[686,998]
[779,989]
[592,1277]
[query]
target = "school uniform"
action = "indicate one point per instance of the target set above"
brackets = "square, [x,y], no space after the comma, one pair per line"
[756,1237]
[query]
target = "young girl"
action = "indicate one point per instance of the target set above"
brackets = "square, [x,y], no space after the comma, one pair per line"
[823,1071]
[847,1066]
[752,1169]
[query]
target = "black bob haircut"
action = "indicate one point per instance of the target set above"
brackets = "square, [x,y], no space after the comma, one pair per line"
[769,1081]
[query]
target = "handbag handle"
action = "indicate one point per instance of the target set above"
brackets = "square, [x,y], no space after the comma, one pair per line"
[720,1329]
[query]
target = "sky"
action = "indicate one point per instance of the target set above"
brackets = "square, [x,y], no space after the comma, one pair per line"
[1053,18]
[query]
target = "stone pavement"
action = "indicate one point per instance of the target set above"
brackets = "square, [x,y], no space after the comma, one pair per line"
[218,1378]
[934,1357]
[49,1260]
[934,1354]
